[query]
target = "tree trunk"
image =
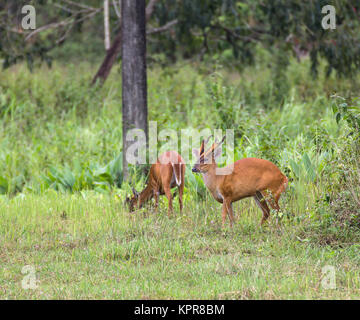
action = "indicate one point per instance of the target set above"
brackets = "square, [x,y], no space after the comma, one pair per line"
[109,60]
[134,82]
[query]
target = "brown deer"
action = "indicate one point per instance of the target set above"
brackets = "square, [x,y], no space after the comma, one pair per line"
[248,177]
[168,172]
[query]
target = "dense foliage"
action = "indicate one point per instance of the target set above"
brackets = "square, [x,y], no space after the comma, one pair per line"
[225,30]
[60,134]
[242,65]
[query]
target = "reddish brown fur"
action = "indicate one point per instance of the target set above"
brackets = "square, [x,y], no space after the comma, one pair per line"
[169,167]
[250,177]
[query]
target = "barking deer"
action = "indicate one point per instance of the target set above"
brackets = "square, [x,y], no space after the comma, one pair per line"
[168,172]
[248,177]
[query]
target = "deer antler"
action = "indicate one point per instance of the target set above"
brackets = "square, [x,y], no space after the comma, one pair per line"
[203,143]
[214,146]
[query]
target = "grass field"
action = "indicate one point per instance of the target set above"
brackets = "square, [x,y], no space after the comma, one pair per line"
[62,194]
[89,247]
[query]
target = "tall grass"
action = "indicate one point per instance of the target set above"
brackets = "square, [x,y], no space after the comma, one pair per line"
[88,246]
[61,188]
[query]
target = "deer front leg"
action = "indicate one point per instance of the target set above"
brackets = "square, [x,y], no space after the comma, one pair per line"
[261,202]
[231,214]
[224,214]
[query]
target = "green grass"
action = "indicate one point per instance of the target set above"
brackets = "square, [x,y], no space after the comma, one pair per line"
[60,177]
[89,247]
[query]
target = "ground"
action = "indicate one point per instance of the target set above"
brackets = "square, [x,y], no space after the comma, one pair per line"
[88,246]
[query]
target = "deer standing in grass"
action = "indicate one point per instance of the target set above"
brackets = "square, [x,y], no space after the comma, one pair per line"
[248,177]
[168,172]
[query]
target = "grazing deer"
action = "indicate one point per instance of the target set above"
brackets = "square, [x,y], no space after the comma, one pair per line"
[249,177]
[168,172]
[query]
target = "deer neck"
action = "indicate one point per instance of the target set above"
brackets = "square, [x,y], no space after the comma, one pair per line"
[145,195]
[212,180]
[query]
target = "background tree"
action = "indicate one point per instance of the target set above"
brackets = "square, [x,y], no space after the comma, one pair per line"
[57,21]
[185,29]
[134,81]
[115,49]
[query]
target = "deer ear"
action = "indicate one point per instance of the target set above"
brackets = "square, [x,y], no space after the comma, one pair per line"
[196,153]
[207,140]
[222,140]
[202,148]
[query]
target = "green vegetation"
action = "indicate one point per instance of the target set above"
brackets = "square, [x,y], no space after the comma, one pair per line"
[90,247]
[206,30]
[61,189]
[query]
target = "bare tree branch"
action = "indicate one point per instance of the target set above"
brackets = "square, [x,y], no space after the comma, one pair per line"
[150,9]
[62,23]
[64,36]
[163,28]
[64,8]
[84,6]
[117,8]
[115,48]
[49,26]
[234,34]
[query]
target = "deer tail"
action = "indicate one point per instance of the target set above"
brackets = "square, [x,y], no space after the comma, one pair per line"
[177,173]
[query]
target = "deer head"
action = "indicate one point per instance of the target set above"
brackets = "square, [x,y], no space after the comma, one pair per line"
[132,201]
[206,159]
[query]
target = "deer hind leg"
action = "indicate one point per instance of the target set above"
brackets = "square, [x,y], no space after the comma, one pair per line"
[261,202]
[156,197]
[278,194]
[275,204]
[168,196]
[272,198]
[181,191]
[274,201]
[166,175]
[182,185]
